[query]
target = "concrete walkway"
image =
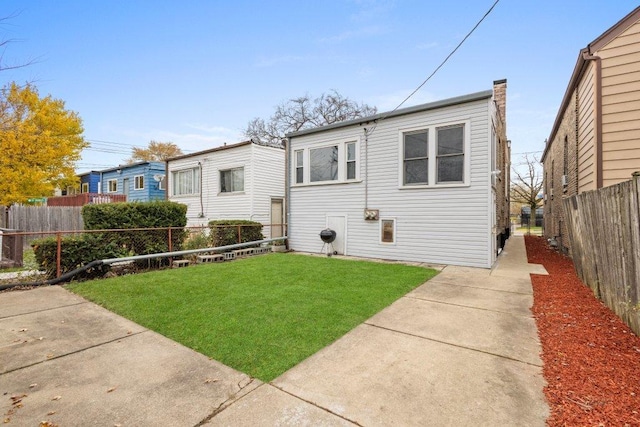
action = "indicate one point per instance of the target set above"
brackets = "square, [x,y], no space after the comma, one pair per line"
[460,350]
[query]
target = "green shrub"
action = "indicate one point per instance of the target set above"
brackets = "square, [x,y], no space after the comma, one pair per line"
[75,252]
[225,232]
[156,214]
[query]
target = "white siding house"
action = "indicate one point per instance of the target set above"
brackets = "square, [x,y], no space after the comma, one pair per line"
[417,184]
[238,181]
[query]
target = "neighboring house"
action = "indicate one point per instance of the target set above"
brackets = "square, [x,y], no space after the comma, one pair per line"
[595,139]
[90,182]
[238,181]
[88,192]
[140,182]
[427,183]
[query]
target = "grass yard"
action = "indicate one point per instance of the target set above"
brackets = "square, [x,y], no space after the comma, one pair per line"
[261,315]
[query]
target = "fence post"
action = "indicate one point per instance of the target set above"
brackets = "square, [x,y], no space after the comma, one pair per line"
[58,255]
[239,233]
[170,244]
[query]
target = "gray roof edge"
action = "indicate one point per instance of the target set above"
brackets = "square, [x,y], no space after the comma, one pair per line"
[403,111]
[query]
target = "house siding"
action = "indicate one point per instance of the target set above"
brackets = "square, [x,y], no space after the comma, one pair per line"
[443,225]
[619,52]
[586,130]
[263,179]
[151,190]
[621,106]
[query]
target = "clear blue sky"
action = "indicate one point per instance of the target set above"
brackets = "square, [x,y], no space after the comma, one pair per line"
[195,72]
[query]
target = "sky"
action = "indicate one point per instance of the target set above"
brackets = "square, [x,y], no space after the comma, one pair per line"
[195,72]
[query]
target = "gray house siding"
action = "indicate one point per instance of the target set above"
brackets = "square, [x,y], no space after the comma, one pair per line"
[444,224]
[263,179]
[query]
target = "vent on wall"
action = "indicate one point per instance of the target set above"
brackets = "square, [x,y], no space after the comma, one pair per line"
[565,180]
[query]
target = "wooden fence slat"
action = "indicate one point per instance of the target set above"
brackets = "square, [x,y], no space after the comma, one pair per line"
[604,229]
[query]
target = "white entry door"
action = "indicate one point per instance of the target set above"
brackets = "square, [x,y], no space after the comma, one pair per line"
[338,223]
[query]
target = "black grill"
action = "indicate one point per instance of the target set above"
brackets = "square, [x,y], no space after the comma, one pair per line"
[328,235]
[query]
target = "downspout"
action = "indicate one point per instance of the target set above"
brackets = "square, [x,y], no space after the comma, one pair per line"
[201,215]
[598,113]
[287,194]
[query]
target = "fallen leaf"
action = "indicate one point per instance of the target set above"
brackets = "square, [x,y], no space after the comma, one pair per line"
[56,398]
[209,380]
[7,420]
[17,398]
[111,389]
[51,412]
[49,356]
[33,385]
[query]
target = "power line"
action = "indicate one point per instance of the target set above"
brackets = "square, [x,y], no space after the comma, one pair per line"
[445,60]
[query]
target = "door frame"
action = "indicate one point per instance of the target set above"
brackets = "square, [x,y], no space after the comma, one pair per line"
[344,237]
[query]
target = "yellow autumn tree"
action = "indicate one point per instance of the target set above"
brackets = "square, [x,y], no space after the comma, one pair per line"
[156,151]
[40,141]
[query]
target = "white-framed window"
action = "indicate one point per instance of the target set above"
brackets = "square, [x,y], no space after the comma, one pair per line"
[415,149]
[138,182]
[351,160]
[388,230]
[299,166]
[450,154]
[434,156]
[85,187]
[185,182]
[112,185]
[162,184]
[331,163]
[323,164]
[232,180]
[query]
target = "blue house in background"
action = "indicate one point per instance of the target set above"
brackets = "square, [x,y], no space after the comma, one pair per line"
[140,182]
[89,182]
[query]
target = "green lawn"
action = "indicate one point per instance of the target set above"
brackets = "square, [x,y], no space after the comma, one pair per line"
[260,315]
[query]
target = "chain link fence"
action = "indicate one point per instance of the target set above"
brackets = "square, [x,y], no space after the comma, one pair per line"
[22,253]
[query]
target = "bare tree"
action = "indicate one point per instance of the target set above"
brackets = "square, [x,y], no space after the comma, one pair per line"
[527,184]
[305,113]
[5,42]
[155,152]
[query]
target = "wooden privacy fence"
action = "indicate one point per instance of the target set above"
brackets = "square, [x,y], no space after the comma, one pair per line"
[604,229]
[34,219]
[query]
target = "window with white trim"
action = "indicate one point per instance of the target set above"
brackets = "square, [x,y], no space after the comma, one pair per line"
[299,166]
[138,182]
[185,182]
[450,154]
[351,160]
[416,158]
[387,230]
[323,164]
[326,164]
[112,185]
[162,184]
[85,187]
[232,180]
[434,156]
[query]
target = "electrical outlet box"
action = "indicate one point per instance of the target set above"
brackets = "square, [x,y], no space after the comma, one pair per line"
[371,214]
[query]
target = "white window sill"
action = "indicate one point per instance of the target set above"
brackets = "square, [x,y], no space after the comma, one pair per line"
[315,184]
[433,186]
[178,196]
[231,193]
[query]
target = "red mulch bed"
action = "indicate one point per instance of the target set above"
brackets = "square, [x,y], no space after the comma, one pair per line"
[591,359]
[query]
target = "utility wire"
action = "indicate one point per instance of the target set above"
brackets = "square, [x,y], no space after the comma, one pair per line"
[445,60]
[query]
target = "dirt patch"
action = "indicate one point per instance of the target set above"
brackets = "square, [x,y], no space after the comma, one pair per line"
[591,358]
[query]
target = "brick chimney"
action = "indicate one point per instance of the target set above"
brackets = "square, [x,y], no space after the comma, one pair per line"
[500,98]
